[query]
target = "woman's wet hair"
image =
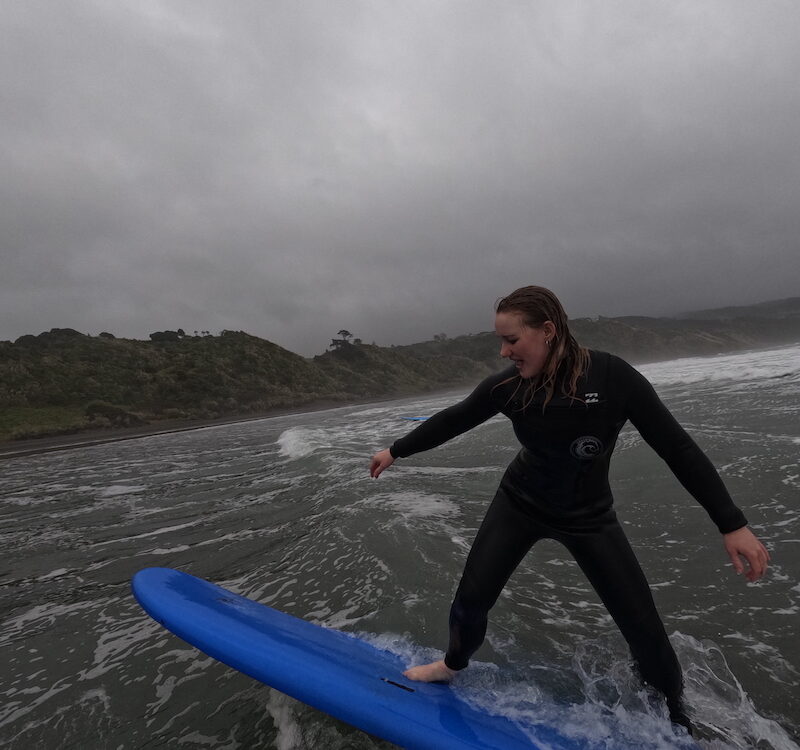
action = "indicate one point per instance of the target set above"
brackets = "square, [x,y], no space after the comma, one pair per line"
[566,360]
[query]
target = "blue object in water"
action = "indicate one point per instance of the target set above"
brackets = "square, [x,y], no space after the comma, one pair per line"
[327,669]
[415,419]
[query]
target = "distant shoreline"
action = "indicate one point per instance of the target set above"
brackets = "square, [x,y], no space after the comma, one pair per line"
[10,449]
[86,438]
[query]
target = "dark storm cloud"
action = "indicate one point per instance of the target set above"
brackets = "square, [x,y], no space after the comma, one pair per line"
[294,168]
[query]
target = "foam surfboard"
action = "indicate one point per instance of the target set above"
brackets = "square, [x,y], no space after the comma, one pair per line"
[330,670]
[334,671]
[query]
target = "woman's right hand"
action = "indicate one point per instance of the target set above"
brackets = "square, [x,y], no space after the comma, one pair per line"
[380,461]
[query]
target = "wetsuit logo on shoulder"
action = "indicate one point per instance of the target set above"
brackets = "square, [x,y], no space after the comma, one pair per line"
[586,447]
[592,398]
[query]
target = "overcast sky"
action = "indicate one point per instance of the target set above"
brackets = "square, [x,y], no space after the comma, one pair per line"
[294,167]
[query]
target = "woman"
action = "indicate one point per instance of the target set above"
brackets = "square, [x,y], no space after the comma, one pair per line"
[567,406]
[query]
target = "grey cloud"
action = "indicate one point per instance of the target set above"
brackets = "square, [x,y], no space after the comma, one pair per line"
[291,169]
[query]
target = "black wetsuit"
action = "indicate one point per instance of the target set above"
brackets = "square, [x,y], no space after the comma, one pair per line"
[557,488]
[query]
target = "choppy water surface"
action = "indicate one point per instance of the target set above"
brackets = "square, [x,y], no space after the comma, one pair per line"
[282,510]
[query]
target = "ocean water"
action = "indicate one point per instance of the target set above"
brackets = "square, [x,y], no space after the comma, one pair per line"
[282,510]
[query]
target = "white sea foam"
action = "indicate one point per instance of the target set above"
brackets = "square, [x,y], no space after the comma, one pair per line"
[524,697]
[53,574]
[175,667]
[169,551]
[41,616]
[444,471]
[416,505]
[282,710]
[299,442]
[14,710]
[722,709]
[115,490]
[145,535]
[739,367]
[23,500]
[116,643]
[378,411]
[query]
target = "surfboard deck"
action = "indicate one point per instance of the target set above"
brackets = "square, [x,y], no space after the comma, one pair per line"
[332,671]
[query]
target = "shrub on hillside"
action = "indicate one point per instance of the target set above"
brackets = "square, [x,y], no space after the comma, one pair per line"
[165,336]
[101,412]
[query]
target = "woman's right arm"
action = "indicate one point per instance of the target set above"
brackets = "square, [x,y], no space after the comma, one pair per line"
[380,461]
[444,425]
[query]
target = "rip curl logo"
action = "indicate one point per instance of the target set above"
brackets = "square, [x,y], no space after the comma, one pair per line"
[586,447]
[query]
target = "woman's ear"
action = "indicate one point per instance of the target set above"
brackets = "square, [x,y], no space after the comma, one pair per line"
[549,329]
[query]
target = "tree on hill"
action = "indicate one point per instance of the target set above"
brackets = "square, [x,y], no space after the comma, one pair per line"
[165,336]
[343,340]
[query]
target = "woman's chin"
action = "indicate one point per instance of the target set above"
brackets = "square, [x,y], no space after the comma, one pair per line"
[527,371]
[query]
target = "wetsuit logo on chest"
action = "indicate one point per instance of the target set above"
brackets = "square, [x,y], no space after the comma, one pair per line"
[586,447]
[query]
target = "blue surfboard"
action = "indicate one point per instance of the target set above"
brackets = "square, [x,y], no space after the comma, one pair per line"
[333,671]
[330,670]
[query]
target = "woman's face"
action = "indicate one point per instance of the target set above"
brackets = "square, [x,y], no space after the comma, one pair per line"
[526,347]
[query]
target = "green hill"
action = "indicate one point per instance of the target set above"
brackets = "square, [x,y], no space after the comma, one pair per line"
[637,339]
[62,381]
[774,309]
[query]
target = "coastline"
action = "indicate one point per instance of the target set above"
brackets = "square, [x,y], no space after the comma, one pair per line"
[85,438]
[10,449]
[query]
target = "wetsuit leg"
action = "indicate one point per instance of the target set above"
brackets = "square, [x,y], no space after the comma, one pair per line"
[606,558]
[504,538]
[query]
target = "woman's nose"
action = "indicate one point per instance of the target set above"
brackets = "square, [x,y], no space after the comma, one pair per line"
[505,350]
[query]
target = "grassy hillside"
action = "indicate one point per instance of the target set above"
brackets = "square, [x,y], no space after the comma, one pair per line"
[774,309]
[104,381]
[638,339]
[63,381]
[373,370]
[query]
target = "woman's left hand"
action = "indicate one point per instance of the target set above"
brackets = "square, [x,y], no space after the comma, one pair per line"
[744,543]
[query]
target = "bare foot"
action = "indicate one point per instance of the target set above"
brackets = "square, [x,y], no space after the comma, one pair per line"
[438,671]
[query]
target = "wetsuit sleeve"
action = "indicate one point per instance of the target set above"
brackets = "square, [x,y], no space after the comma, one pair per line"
[446,424]
[684,457]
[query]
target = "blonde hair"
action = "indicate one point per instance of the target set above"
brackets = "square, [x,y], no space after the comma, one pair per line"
[566,359]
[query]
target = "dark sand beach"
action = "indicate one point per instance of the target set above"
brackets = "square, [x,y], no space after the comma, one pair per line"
[83,438]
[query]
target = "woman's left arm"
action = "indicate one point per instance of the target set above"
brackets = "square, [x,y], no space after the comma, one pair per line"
[743,543]
[693,469]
